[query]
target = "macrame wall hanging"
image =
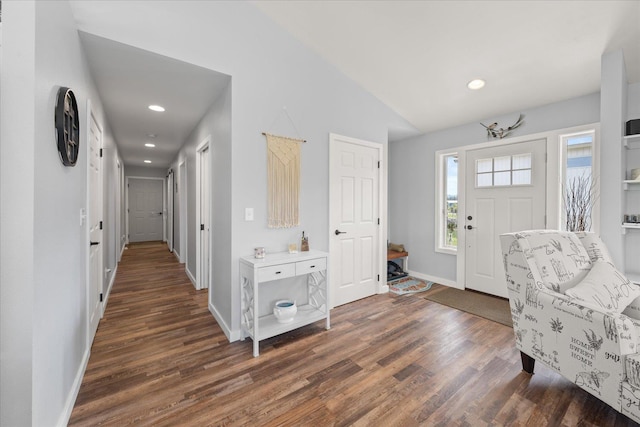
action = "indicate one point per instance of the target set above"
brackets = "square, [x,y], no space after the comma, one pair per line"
[283,181]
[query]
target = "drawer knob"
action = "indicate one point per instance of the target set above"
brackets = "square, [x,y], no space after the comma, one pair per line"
[313,266]
[278,272]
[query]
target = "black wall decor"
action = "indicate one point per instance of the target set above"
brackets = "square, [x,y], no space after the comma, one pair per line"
[67,123]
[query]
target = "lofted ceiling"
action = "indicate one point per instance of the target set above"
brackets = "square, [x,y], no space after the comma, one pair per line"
[415,56]
[130,79]
[418,56]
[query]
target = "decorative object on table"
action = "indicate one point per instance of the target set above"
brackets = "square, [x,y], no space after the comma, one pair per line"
[409,285]
[67,124]
[285,310]
[632,219]
[635,175]
[293,248]
[632,127]
[304,244]
[283,180]
[580,194]
[396,248]
[259,252]
[501,133]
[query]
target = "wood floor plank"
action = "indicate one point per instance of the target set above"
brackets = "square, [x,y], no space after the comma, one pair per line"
[160,359]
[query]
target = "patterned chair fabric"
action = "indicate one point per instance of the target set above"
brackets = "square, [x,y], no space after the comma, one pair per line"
[591,346]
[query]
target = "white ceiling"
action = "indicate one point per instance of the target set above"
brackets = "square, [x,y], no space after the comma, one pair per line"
[418,56]
[415,56]
[130,79]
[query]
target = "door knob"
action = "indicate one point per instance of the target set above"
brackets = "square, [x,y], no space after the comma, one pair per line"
[340,232]
[469,217]
[469,227]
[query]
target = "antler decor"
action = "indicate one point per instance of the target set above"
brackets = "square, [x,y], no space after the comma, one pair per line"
[501,133]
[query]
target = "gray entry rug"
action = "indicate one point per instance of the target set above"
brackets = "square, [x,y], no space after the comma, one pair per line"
[483,305]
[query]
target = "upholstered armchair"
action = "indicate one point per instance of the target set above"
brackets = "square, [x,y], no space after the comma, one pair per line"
[575,313]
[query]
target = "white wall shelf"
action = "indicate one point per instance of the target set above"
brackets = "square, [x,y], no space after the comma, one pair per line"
[631,142]
[278,266]
[630,183]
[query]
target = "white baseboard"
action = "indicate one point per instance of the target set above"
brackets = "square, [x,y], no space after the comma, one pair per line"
[176,254]
[383,289]
[111,282]
[231,335]
[65,416]
[440,280]
[191,277]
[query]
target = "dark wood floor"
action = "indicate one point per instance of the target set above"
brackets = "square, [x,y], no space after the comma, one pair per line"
[159,358]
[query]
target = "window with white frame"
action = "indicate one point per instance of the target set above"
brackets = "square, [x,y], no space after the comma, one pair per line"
[447,206]
[580,184]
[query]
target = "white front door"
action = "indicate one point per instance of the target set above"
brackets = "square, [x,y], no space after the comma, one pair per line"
[203,267]
[95,226]
[145,209]
[354,218]
[169,212]
[505,192]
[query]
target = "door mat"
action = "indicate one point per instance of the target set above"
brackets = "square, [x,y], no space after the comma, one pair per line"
[409,285]
[483,305]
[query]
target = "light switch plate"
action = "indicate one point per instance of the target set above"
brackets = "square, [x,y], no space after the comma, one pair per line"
[248,214]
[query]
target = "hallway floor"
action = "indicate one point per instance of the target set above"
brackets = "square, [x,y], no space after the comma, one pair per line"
[159,358]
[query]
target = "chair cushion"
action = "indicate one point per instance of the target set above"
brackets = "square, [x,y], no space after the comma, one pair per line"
[605,289]
[595,247]
[632,369]
[560,257]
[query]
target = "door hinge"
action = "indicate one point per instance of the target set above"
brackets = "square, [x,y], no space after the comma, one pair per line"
[378,221]
[378,277]
[378,164]
[100,225]
[201,227]
[100,296]
[101,152]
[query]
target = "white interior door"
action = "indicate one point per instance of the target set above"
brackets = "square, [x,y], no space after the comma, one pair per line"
[145,209]
[505,192]
[354,219]
[95,226]
[203,206]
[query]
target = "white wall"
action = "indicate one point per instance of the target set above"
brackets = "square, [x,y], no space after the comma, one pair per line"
[216,123]
[43,302]
[269,70]
[412,186]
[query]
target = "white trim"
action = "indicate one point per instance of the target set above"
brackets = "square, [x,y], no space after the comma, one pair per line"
[177,254]
[182,201]
[231,335]
[439,280]
[190,275]
[440,208]
[126,189]
[204,145]
[168,212]
[109,287]
[70,402]
[382,207]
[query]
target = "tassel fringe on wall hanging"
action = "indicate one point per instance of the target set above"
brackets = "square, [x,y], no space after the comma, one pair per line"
[283,181]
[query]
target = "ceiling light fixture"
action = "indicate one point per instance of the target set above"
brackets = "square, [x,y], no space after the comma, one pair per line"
[148,144]
[147,161]
[476,84]
[157,108]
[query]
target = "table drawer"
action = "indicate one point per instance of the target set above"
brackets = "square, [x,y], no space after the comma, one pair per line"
[276,272]
[304,267]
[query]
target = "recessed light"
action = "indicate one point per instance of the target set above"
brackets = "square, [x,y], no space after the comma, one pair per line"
[147,161]
[476,84]
[156,108]
[148,144]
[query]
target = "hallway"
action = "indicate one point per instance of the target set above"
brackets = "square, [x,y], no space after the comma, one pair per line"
[159,358]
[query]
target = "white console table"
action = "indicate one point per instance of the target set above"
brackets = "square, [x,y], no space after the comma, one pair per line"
[278,266]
